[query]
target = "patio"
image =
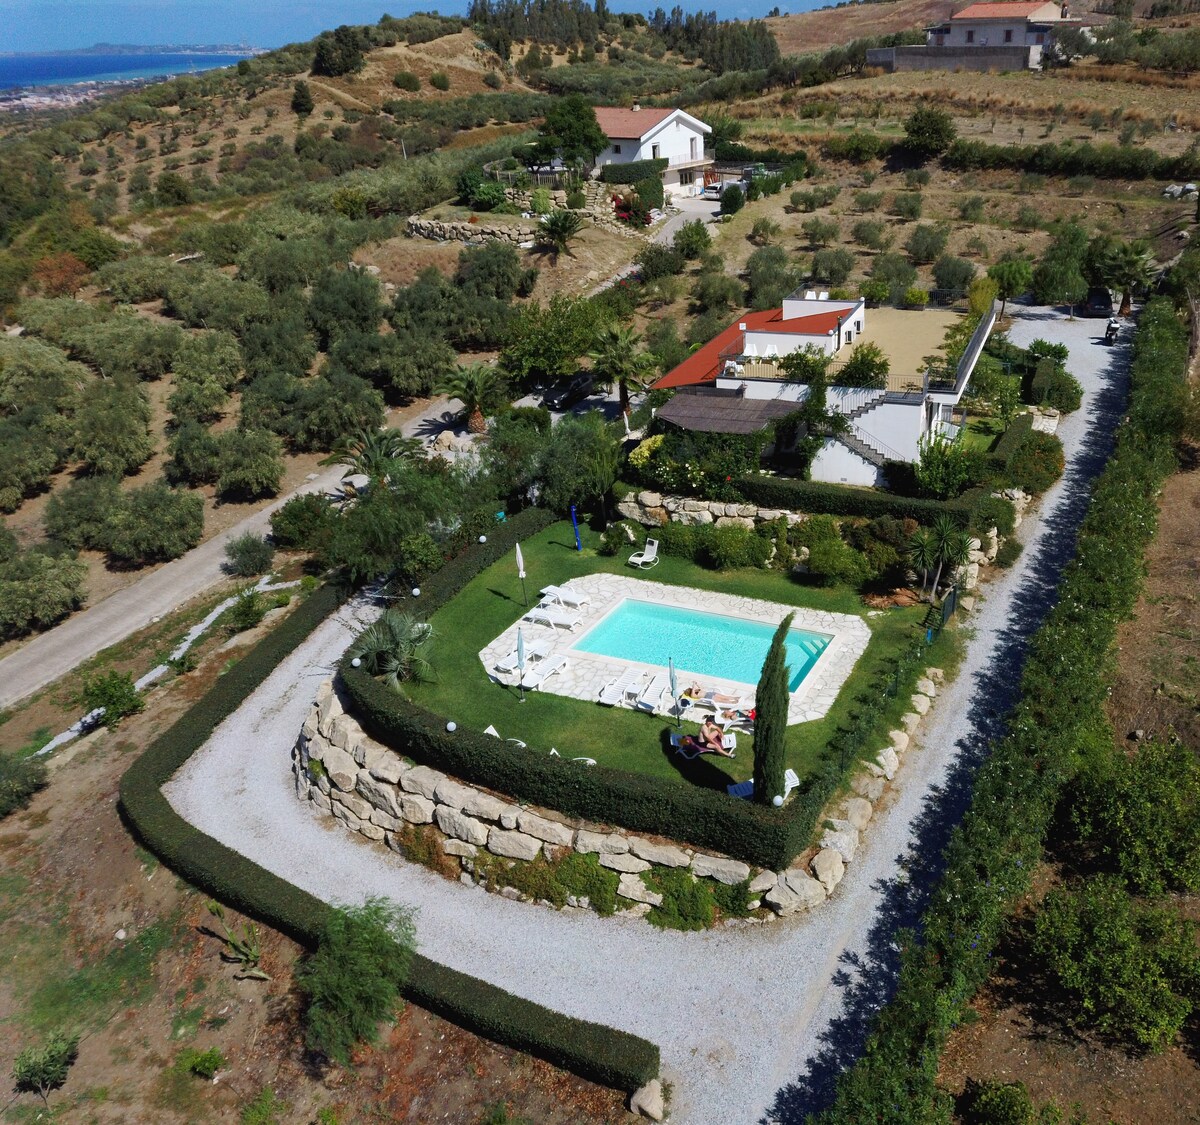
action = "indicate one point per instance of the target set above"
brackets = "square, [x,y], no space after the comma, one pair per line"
[586,673]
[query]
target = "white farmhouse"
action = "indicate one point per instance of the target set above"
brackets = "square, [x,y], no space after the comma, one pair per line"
[657,134]
[1010,23]
[734,384]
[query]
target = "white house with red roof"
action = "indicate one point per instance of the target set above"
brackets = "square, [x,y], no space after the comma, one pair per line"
[672,135]
[734,383]
[1009,23]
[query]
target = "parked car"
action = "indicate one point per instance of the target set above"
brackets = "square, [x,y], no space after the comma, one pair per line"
[1098,302]
[564,397]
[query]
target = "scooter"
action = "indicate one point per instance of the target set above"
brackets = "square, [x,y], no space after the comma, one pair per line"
[1112,332]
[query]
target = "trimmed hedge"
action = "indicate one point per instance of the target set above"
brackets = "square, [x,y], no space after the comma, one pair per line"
[1064,683]
[602,1054]
[634,172]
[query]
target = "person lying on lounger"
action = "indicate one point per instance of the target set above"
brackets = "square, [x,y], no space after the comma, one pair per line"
[710,740]
[740,715]
[697,692]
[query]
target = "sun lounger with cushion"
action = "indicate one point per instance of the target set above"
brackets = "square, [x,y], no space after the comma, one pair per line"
[554,616]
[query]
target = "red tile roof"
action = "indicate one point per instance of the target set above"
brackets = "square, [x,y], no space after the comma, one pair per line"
[629,124]
[703,365]
[1008,9]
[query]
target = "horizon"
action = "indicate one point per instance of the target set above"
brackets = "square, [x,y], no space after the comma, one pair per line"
[34,26]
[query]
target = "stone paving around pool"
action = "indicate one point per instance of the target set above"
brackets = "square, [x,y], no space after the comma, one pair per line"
[585,673]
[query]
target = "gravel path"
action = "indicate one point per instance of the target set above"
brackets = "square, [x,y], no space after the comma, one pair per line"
[754,1022]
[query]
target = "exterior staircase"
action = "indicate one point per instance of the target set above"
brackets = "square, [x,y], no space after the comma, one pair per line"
[867,452]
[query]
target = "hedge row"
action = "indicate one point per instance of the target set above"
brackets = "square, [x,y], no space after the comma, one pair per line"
[634,172]
[1063,687]
[818,498]
[599,1053]
[1114,162]
[1010,440]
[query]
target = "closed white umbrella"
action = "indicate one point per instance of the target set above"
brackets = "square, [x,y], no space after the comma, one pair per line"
[674,688]
[521,574]
[521,660]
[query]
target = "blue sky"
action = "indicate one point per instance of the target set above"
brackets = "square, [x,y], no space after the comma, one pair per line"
[47,25]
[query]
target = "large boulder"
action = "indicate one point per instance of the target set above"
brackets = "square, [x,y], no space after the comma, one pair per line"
[810,891]
[548,830]
[728,871]
[629,864]
[858,812]
[416,809]
[888,762]
[665,855]
[828,867]
[513,845]
[422,780]
[461,826]
[648,1101]
[379,793]
[632,887]
[842,839]
[340,768]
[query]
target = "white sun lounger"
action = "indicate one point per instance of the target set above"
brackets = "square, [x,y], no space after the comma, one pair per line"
[537,675]
[586,761]
[564,596]
[538,650]
[554,616]
[650,699]
[627,685]
[745,789]
[647,557]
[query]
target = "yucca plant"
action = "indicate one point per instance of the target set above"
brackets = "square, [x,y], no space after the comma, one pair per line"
[391,649]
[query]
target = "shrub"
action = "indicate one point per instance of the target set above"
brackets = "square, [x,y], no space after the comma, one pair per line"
[248,555]
[970,210]
[1054,386]
[493,81]
[994,511]
[832,266]
[687,901]
[20,779]
[439,80]
[115,692]
[1036,463]
[834,563]
[1001,1103]
[692,239]
[1132,970]
[872,234]
[406,80]
[820,232]
[354,978]
[1010,550]
[655,261]
[44,1068]
[650,192]
[926,242]
[203,1064]
[915,298]
[907,205]
[764,231]
[304,522]
[38,589]
[80,514]
[249,464]
[155,524]
[865,201]
[929,131]
[576,200]
[954,274]
[732,200]
[247,611]
[615,539]
[633,172]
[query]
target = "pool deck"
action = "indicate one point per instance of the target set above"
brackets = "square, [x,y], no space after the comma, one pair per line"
[586,673]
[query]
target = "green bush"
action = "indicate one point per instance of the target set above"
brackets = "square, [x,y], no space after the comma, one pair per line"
[816,497]
[650,192]
[834,563]
[1010,550]
[81,514]
[907,205]
[687,903]
[633,172]
[1132,971]
[614,540]
[115,692]
[354,978]
[439,80]
[1001,1103]
[245,613]
[655,261]
[38,1070]
[732,200]
[692,239]
[154,524]
[493,81]
[1036,463]
[20,779]
[576,200]
[248,555]
[304,522]
[1054,386]
[406,80]
[203,1064]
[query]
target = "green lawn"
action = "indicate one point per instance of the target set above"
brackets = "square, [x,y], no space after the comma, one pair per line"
[983,433]
[619,737]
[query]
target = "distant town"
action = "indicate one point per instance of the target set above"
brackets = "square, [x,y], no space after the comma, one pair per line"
[144,49]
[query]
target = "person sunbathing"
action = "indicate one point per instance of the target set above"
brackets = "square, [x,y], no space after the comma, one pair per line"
[697,692]
[740,715]
[710,740]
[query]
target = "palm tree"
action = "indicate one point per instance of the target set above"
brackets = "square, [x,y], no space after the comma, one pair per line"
[390,649]
[1127,267]
[921,554]
[616,359]
[941,535]
[476,387]
[558,229]
[373,453]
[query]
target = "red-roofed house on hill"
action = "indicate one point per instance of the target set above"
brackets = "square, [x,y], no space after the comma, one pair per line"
[734,383]
[1006,35]
[657,134]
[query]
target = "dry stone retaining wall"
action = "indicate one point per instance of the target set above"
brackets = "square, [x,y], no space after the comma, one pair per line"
[442,231]
[372,790]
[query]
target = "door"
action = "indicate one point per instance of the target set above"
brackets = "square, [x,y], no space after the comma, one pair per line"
[692,149]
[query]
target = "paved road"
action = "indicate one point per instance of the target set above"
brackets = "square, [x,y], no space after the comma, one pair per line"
[51,655]
[754,1022]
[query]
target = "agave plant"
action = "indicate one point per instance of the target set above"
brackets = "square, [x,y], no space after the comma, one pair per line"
[391,649]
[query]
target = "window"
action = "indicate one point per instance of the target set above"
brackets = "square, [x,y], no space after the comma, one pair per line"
[616,150]
[691,148]
[970,37]
[654,152]
[1008,36]
[686,179]
[1040,38]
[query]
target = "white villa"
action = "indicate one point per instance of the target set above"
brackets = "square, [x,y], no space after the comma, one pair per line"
[1011,23]
[734,385]
[657,134]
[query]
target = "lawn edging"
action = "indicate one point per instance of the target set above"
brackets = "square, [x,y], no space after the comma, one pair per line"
[593,1051]
[992,854]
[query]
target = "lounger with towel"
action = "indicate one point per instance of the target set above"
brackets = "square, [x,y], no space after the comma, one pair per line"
[625,689]
[563,595]
[745,789]
[557,617]
[688,746]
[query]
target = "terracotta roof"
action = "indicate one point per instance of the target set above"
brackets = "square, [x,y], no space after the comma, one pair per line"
[702,365]
[719,411]
[629,124]
[1009,9]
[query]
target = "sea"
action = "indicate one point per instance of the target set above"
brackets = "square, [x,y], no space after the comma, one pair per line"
[61,70]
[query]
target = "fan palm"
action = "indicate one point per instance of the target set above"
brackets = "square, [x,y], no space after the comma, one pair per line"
[558,229]
[390,649]
[1127,268]
[373,453]
[616,359]
[476,387]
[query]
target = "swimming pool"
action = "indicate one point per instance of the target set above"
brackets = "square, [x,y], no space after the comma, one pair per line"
[700,643]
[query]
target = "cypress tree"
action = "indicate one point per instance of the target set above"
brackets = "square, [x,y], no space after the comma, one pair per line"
[770,721]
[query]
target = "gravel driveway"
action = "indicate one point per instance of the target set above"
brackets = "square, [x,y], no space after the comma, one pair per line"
[754,1021]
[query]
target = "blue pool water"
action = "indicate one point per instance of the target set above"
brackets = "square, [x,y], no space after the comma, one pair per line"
[700,643]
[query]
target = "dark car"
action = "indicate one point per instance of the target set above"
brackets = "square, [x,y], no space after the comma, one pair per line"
[1098,302]
[564,397]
